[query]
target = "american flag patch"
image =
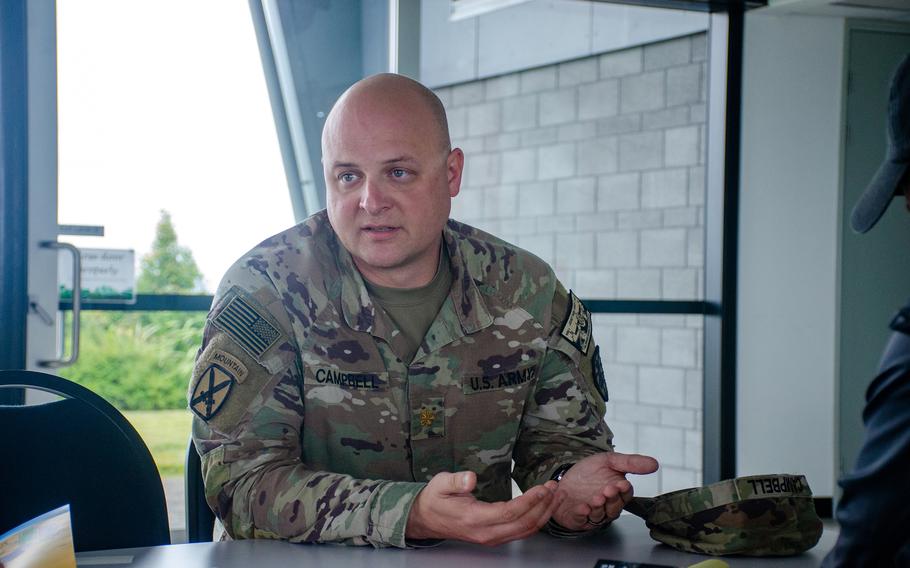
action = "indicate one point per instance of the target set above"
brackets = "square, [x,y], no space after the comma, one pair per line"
[247,327]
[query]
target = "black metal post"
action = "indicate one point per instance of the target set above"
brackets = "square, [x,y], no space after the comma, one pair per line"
[721,243]
[13,188]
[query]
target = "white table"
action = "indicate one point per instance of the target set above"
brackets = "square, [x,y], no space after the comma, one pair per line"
[626,540]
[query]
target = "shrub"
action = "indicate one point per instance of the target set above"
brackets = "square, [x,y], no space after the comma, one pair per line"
[138,361]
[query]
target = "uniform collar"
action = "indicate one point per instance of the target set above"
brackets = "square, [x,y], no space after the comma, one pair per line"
[361,314]
[466,297]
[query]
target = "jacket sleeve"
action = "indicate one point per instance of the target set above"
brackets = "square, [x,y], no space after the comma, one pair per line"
[564,419]
[246,397]
[872,513]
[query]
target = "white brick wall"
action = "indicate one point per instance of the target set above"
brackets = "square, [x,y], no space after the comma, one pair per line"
[556,162]
[518,113]
[620,63]
[598,100]
[539,79]
[518,165]
[618,192]
[643,92]
[576,195]
[598,156]
[557,107]
[665,188]
[536,199]
[641,151]
[617,249]
[597,166]
[483,119]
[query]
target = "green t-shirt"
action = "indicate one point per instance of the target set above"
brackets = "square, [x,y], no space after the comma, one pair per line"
[414,309]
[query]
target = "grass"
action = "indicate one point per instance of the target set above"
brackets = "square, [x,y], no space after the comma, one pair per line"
[166,433]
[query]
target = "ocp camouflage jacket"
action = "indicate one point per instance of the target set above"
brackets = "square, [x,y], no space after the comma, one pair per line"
[312,429]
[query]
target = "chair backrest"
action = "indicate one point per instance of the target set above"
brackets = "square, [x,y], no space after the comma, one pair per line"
[79,450]
[200,520]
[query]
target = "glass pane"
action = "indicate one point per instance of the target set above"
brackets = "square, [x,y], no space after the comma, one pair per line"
[141,362]
[654,370]
[160,109]
[166,138]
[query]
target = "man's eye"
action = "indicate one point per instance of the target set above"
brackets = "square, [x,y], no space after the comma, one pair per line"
[399,173]
[347,177]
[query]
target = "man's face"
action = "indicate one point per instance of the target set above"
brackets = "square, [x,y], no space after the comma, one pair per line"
[389,184]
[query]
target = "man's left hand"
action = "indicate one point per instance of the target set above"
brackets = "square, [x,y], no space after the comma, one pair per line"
[595,489]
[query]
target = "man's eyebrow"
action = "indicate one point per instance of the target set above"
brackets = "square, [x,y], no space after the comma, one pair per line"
[402,158]
[395,160]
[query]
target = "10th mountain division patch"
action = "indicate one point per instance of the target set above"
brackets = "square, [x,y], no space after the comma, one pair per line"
[213,385]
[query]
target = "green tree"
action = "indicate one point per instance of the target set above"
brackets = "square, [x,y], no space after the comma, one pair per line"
[169,268]
[143,361]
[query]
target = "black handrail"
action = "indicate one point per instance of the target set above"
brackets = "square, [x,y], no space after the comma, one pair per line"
[202,303]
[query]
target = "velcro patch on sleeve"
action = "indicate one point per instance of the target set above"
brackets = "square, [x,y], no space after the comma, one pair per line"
[576,327]
[230,362]
[244,325]
[348,380]
[600,380]
[211,391]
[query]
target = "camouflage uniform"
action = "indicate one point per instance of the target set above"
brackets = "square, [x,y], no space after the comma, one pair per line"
[312,429]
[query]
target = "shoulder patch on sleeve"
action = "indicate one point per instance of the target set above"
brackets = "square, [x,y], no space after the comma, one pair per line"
[576,326]
[211,390]
[229,362]
[247,327]
[600,380]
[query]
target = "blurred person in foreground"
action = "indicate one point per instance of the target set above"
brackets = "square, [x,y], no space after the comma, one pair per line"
[874,511]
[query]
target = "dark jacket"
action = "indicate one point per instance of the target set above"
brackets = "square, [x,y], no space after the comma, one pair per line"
[874,512]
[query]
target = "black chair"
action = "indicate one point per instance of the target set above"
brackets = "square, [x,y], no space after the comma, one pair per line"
[200,520]
[79,450]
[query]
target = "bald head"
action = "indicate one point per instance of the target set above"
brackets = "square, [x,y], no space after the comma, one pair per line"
[390,176]
[387,100]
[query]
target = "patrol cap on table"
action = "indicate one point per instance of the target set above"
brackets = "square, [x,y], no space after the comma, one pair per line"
[759,515]
[885,184]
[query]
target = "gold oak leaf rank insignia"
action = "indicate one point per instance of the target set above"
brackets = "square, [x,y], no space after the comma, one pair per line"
[212,388]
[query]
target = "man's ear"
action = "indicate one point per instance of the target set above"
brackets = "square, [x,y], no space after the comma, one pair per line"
[454,169]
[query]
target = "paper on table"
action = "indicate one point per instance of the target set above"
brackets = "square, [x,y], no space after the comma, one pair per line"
[45,542]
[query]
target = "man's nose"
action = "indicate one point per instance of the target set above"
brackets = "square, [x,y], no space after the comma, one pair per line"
[373,200]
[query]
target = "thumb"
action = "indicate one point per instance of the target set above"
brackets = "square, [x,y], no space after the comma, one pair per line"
[632,463]
[455,483]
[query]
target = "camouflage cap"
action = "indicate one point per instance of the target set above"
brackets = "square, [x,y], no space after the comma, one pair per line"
[760,515]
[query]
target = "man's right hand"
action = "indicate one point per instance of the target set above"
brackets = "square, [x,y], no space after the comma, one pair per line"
[446,509]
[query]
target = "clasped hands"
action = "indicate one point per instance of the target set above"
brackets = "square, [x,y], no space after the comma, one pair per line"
[591,493]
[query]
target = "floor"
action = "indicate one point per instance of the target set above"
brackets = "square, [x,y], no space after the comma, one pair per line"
[174,492]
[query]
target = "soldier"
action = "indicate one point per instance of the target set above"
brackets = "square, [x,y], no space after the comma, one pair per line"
[872,513]
[352,362]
